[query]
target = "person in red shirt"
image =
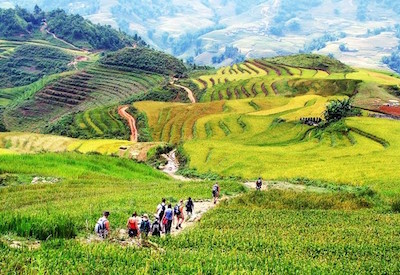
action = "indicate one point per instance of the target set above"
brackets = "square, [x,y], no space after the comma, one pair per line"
[132,225]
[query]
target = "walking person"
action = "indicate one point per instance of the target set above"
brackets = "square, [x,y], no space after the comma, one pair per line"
[215,192]
[169,216]
[160,213]
[145,227]
[259,184]
[189,207]
[132,225]
[156,228]
[102,227]
[178,211]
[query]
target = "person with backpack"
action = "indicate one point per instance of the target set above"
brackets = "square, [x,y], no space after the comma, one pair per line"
[189,207]
[160,212]
[178,211]
[215,192]
[102,227]
[168,218]
[132,225]
[259,184]
[145,227]
[156,228]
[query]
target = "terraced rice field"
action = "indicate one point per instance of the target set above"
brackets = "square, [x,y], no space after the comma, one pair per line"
[100,122]
[262,78]
[248,125]
[95,86]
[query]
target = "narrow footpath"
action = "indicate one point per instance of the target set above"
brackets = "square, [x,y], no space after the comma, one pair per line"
[44,29]
[189,92]
[131,121]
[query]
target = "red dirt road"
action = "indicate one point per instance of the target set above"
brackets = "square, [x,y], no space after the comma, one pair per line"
[131,121]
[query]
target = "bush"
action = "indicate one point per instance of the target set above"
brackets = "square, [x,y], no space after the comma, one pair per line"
[339,109]
[395,205]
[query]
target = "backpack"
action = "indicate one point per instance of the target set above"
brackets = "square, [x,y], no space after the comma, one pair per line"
[215,188]
[145,226]
[100,226]
[156,228]
[177,211]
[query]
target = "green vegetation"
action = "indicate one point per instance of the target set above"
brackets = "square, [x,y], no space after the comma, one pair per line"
[96,86]
[102,122]
[340,109]
[313,61]
[19,24]
[97,179]
[29,63]
[274,232]
[131,59]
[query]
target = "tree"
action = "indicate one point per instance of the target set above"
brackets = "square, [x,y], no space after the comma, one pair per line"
[339,109]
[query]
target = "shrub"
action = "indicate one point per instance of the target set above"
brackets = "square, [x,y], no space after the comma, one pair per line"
[395,205]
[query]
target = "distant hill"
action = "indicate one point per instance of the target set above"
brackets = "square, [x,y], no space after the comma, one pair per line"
[129,59]
[20,24]
[200,30]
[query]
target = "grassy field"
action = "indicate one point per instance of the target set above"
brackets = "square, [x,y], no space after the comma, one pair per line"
[247,125]
[262,130]
[274,232]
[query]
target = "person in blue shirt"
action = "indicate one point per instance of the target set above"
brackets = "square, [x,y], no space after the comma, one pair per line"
[168,218]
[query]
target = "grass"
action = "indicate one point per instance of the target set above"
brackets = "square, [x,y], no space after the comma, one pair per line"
[119,185]
[275,232]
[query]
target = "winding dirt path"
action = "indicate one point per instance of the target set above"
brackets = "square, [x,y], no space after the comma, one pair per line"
[44,29]
[131,121]
[189,92]
[172,166]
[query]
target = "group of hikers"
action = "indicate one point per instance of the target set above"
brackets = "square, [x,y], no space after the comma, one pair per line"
[163,219]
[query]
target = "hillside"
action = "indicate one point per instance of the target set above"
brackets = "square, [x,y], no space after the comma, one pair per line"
[359,33]
[328,192]
[19,24]
[256,111]
[144,59]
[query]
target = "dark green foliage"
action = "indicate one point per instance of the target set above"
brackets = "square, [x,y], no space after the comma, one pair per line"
[313,61]
[80,32]
[166,93]
[395,205]
[22,25]
[142,125]
[131,59]
[11,25]
[339,109]
[3,128]
[29,63]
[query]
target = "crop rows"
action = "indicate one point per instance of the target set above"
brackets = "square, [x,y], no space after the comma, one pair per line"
[100,122]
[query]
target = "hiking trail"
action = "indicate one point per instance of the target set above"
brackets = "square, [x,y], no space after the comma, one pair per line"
[172,166]
[131,121]
[189,92]
[282,185]
[44,29]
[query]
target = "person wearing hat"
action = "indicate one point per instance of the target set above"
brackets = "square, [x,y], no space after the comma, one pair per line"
[144,227]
